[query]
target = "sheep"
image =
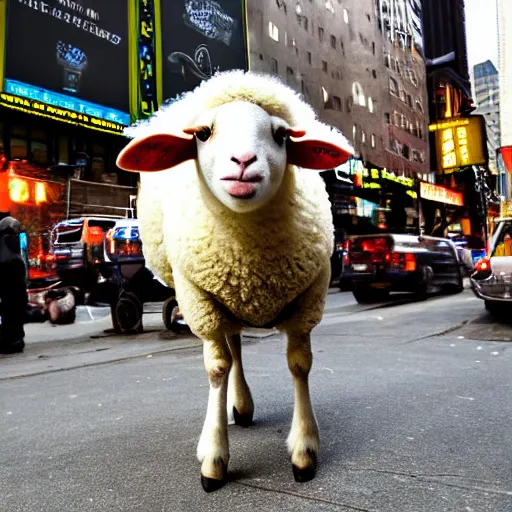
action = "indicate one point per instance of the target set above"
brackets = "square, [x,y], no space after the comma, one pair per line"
[241,227]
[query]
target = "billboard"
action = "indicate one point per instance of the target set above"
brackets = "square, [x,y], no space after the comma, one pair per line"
[460,142]
[69,60]
[200,37]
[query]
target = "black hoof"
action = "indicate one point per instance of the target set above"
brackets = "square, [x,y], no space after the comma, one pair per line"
[243,420]
[305,474]
[211,484]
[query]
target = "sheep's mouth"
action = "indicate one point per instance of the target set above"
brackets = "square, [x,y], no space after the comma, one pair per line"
[244,179]
[241,189]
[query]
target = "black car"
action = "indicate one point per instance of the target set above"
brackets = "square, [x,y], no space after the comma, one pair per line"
[375,265]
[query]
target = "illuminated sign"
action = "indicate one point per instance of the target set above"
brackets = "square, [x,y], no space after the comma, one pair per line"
[60,114]
[198,39]
[69,57]
[355,167]
[460,143]
[440,194]
[448,124]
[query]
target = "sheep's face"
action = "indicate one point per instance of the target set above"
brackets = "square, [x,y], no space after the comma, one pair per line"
[241,154]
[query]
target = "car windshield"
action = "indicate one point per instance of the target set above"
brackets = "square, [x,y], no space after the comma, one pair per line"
[68,233]
[503,245]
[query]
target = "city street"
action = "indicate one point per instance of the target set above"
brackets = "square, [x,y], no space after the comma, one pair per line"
[412,398]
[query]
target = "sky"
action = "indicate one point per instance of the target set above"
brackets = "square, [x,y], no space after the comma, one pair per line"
[481,31]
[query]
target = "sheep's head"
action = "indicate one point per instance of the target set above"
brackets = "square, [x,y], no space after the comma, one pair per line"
[241,150]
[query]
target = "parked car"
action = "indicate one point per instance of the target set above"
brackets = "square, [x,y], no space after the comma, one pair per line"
[378,264]
[123,264]
[492,278]
[76,246]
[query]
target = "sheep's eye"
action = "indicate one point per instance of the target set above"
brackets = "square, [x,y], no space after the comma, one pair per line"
[280,135]
[203,134]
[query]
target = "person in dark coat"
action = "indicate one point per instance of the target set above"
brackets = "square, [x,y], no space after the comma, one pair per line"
[13,287]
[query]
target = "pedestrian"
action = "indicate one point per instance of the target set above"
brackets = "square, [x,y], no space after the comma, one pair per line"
[13,287]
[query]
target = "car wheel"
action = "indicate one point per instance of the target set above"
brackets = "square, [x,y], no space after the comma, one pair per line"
[127,314]
[370,295]
[452,289]
[169,312]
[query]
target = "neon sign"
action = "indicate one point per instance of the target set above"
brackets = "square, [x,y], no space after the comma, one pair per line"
[441,194]
[31,106]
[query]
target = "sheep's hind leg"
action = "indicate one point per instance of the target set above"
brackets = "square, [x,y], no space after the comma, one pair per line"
[303,440]
[213,447]
[240,404]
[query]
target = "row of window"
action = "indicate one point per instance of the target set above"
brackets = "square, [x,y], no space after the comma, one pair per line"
[363,138]
[402,69]
[403,95]
[401,121]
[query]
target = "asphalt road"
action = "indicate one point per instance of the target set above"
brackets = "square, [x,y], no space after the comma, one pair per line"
[414,408]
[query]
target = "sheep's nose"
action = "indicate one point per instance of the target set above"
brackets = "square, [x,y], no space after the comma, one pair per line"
[244,160]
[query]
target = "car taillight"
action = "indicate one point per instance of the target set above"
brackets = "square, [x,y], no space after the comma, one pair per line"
[483,265]
[410,263]
[346,253]
[402,261]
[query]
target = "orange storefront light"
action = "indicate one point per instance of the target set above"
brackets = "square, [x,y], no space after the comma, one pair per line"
[41,193]
[18,190]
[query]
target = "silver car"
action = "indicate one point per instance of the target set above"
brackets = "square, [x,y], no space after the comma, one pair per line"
[492,278]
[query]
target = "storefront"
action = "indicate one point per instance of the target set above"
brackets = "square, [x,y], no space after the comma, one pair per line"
[374,199]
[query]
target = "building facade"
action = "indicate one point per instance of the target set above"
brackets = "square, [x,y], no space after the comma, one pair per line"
[485,86]
[357,74]
[458,148]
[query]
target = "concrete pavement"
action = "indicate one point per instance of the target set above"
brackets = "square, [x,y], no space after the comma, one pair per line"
[414,416]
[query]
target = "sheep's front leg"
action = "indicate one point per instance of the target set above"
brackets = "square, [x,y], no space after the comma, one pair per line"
[240,403]
[213,447]
[303,440]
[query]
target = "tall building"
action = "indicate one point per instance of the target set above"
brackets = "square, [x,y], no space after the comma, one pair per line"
[359,63]
[458,149]
[485,86]
[504,13]
[360,76]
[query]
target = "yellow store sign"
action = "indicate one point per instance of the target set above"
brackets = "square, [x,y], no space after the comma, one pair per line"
[460,143]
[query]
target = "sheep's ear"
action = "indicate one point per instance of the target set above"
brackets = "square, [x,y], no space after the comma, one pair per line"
[317,152]
[156,152]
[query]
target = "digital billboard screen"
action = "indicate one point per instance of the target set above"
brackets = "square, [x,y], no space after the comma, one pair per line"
[70,55]
[200,37]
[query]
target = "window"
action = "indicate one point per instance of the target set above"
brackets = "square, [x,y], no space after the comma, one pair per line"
[273,31]
[325,96]
[289,75]
[387,61]
[310,58]
[336,103]
[345,15]
[333,42]
[370,104]
[273,66]
[306,23]
[419,106]
[324,66]
[409,100]
[354,132]
[320,34]
[302,87]
[373,140]
[397,67]
[39,152]
[374,73]
[363,137]
[393,87]
[358,94]
[387,118]
[19,148]
[405,151]
[373,48]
